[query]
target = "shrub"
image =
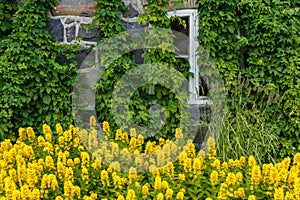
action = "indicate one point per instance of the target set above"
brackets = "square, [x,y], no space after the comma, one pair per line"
[35,88]
[56,165]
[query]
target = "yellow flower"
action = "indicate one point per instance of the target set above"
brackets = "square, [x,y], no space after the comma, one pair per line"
[279,195]
[130,195]
[197,165]
[210,143]
[59,198]
[30,133]
[214,177]
[178,133]
[251,197]
[49,162]
[59,129]
[180,195]
[118,135]
[160,196]
[164,185]
[145,190]
[296,159]
[132,132]
[85,158]
[251,161]
[76,190]
[255,175]
[239,193]
[106,128]
[169,193]
[61,140]
[41,141]
[104,178]
[239,177]
[216,164]
[92,121]
[157,183]
[230,179]
[181,177]
[132,174]
[22,134]
[121,197]
[140,139]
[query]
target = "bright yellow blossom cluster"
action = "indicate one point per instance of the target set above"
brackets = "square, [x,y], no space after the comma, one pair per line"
[57,165]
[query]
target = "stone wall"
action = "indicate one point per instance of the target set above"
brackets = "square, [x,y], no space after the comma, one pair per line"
[67,23]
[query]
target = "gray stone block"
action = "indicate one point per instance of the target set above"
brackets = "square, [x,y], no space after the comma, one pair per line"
[56,28]
[70,33]
[89,35]
[130,12]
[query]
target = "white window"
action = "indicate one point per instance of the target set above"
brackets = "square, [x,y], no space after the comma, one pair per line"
[188,52]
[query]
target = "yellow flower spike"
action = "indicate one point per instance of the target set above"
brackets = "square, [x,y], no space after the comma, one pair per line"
[125,138]
[130,195]
[48,148]
[157,183]
[132,174]
[214,177]
[208,198]
[30,133]
[164,185]
[49,163]
[181,177]
[132,143]
[230,179]
[210,144]
[160,196]
[59,129]
[278,194]
[121,197]
[132,132]
[239,177]
[197,165]
[251,161]
[59,198]
[296,159]
[92,121]
[252,197]
[145,190]
[180,195]
[22,134]
[140,139]
[255,175]
[76,190]
[104,178]
[68,135]
[85,174]
[118,135]
[85,158]
[178,133]
[216,164]
[169,193]
[106,128]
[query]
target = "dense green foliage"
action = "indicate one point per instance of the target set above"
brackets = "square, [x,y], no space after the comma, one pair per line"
[7,9]
[259,40]
[140,100]
[34,87]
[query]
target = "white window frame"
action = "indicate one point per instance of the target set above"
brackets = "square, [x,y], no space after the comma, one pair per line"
[194,97]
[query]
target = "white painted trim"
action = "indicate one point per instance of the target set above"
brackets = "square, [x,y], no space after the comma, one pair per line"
[194,97]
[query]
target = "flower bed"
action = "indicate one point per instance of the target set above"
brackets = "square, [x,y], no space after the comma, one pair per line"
[56,165]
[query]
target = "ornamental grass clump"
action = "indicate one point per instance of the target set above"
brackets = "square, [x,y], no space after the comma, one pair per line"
[57,165]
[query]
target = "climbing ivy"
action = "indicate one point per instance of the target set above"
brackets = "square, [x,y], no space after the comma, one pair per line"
[259,41]
[7,9]
[35,88]
[141,100]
